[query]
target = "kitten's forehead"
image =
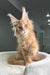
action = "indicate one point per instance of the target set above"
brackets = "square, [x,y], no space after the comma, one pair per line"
[22,22]
[18,22]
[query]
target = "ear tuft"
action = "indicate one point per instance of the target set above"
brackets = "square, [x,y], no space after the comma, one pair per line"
[13,19]
[24,14]
[9,14]
[23,9]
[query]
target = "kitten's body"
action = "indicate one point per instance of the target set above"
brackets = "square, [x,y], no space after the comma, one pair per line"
[27,43]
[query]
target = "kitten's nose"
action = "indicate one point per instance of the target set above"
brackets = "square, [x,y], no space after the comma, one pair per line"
[23,29]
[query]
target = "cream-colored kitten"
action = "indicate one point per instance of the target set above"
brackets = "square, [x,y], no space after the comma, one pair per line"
[27,43]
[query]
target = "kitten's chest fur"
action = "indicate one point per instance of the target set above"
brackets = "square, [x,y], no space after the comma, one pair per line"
[24,42]
[28,43]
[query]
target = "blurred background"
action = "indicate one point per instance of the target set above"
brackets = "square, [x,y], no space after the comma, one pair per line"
[39,12]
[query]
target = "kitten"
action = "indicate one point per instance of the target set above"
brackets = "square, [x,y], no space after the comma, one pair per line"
[28,46]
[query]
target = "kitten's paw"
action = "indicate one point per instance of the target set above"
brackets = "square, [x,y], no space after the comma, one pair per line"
[37,59]
[27,64]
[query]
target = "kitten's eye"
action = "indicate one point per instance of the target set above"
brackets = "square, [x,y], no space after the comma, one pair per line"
[20,27]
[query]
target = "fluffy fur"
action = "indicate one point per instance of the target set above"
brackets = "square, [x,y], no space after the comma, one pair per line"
[27,43]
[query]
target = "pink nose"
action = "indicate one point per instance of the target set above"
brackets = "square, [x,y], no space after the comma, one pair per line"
[23,29]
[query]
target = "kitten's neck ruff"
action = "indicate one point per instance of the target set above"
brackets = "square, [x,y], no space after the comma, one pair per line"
[25,36]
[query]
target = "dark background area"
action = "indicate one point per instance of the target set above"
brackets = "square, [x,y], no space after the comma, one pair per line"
[37,12]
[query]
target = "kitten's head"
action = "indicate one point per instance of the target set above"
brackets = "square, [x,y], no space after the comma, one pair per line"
[22,26]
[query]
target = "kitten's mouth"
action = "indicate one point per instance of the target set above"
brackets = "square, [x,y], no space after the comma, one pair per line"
[24,32]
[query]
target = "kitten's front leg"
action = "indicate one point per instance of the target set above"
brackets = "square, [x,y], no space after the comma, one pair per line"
[28,60]
[27,57]
[19,56]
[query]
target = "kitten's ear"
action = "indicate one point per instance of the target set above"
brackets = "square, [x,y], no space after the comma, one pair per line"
[13,19]
[24,14]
